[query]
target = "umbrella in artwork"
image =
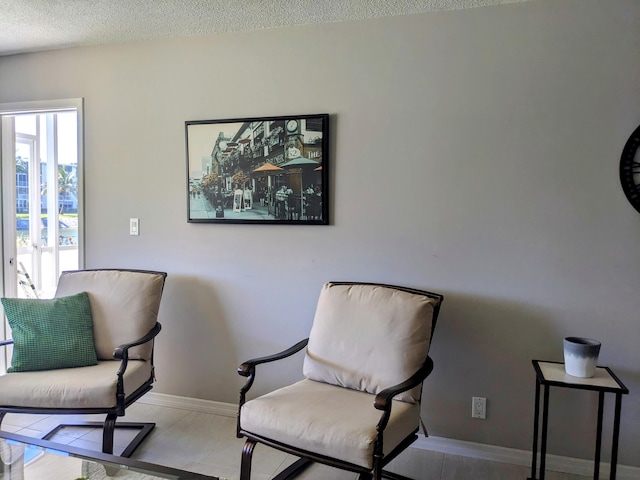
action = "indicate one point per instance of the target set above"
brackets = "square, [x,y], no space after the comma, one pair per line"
[267,168]
[300,162]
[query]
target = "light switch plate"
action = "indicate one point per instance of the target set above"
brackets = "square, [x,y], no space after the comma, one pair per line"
[134,226]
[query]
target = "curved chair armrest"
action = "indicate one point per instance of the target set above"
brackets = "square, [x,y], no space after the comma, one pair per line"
[121,352]
[248,368]
[4,343]
[383,399]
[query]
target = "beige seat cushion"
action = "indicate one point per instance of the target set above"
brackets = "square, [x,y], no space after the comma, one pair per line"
[124,306]
[83,387]
[369,337]
[328,420]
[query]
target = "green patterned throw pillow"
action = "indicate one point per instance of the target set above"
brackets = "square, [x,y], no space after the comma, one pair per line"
[50,334]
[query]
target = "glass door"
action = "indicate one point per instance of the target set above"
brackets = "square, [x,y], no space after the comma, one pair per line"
[44,174]
[41,199]
[27,218]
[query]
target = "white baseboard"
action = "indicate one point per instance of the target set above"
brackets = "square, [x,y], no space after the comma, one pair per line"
[448,446]
[192,404]
[513,456]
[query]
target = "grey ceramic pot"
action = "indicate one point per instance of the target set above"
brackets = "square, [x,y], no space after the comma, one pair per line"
[581,356]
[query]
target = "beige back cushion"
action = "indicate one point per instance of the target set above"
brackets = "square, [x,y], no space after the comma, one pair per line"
[124,306]
[369,337]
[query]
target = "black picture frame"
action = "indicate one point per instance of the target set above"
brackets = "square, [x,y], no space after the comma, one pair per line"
[260,170]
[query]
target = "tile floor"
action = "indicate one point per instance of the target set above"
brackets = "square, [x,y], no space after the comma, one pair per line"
[206,443]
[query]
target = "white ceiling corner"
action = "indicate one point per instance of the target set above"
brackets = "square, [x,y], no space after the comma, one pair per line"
[35,25]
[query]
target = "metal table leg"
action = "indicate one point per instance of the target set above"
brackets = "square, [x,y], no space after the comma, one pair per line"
[616,434]
[596,466]
[545,422]
[536,421]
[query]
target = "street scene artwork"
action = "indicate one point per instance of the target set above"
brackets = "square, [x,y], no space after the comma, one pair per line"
[258,170]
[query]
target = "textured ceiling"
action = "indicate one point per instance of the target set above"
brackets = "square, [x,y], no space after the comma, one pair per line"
[33,25]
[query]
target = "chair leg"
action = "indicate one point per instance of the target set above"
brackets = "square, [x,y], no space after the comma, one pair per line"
[108,427]
[293,470]
[288,473]
[394,476]
[107,433]
[245,465]
[376,475]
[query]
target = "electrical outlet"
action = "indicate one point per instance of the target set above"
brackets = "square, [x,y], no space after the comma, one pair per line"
[134,226]
[478,407]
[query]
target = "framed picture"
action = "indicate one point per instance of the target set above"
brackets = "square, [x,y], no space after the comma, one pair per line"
[258,170]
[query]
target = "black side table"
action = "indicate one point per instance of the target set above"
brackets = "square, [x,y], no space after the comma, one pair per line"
[604,381]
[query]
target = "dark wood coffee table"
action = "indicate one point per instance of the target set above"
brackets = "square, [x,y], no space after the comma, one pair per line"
[36,459]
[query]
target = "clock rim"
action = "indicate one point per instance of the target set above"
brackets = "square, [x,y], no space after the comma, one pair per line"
[629,152]
[295,123]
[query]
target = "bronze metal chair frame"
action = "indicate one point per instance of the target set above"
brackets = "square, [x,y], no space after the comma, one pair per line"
[122,401]
[382,402]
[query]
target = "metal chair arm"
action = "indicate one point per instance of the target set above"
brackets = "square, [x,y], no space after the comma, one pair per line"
[383,399]
[248,368]
[121,352]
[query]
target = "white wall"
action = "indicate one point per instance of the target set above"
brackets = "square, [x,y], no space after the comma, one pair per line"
[474,153]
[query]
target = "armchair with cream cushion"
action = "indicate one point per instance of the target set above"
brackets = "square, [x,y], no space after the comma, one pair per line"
[358,406]
[105,376]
